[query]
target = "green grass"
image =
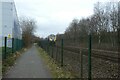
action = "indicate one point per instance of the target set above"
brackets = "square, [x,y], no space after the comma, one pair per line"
[7,63]
[10,60]
[56,71]
[9,50]
[0,62]
[0,51]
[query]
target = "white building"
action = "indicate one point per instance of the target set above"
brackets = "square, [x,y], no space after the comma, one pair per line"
[9,23]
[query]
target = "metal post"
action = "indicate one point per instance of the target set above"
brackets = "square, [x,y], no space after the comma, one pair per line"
[48,49]
[62,52]
[56,52]
[118,37]
[16,44]
[52,49]
[12,45]
[20,45]
[81,61]
[89,59]
[5,44]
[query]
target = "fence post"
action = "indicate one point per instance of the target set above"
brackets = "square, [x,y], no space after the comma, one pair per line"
[56,52]
[62,52]
[81,61]
[118,31]
[12,45]
[48,48]
[22,43]
[52,49]
[16,44]
[5,44]
[89,58]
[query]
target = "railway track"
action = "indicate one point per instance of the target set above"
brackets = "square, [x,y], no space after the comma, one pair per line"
[106,55]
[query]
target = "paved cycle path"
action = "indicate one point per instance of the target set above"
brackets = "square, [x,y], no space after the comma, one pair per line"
[29,65]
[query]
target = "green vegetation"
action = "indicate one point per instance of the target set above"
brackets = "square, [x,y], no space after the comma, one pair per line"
[7,63]
[8,51]
[57,72]
[0,51]
[0,62]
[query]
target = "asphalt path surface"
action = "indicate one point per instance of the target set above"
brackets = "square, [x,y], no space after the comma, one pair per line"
[29,65]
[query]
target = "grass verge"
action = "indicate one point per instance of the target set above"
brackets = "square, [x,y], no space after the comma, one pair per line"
[7,63]
[57,71]
[0,62]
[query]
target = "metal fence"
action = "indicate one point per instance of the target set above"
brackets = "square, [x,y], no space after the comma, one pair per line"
[90,56]
[11,45]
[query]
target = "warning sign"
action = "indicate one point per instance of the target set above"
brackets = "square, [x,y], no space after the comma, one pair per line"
[9,36]
[52,37]
[9,42]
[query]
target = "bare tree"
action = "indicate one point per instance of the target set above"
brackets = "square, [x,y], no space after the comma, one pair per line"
[28,28]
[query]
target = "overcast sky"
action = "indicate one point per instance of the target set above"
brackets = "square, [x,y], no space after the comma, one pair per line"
[54,16]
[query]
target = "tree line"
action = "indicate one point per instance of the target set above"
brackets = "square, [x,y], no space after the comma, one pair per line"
[102,25]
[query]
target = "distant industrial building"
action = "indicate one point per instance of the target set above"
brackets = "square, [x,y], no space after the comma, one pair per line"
[9,23]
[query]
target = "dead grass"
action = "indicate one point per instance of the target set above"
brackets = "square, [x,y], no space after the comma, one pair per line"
[7,63]
[57,71]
